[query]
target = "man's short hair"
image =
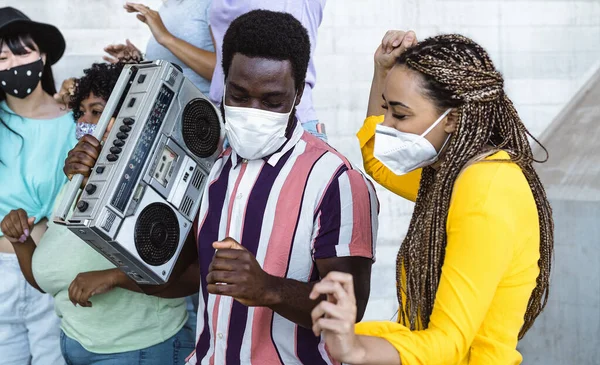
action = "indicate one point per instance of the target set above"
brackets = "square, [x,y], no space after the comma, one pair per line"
[271,35]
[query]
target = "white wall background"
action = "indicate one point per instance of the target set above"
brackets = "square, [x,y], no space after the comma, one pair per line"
[544,48]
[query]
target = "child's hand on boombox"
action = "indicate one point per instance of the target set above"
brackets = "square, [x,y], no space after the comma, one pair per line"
[82,158]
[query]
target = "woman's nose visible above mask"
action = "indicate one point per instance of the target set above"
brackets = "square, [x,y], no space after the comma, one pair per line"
[10,60]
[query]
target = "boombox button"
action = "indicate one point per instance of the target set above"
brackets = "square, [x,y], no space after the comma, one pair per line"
[112,158]
[115,150]
[122,135]
[118,143]
[82,206]
[90,188]
[99,169]
[125,128]
[128,121]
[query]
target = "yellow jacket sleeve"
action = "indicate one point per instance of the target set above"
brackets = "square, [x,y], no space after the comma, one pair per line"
[483,227]
[407,186]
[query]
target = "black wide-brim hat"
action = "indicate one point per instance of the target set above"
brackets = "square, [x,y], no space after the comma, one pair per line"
[48,38]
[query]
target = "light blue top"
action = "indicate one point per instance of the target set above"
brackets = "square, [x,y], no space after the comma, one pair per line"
[32,160]
[186,20]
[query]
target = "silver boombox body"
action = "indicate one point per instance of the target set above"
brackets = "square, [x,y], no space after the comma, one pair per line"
[144,192]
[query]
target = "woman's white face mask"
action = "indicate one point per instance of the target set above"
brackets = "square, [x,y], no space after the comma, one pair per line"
[403,152]
[255,133]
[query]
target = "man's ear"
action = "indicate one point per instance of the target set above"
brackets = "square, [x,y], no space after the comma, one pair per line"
[299,95]
[451,121]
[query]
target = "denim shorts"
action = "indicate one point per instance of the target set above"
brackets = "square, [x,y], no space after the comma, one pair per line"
[170,352]
[29,327]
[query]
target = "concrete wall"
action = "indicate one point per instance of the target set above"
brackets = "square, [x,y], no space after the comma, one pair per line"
[544,48]
[568,331]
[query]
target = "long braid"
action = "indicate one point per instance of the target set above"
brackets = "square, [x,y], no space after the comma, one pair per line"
[460,70]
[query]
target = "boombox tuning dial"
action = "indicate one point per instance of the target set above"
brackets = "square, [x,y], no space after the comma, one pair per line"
[82,205]
[90,189]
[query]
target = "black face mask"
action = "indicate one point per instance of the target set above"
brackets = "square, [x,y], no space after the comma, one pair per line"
[20,81]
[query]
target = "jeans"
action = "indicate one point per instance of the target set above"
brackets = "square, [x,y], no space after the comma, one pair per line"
[172,351]
[192,309]
[29,327]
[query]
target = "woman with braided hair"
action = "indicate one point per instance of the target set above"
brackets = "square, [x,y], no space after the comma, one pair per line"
[473,270]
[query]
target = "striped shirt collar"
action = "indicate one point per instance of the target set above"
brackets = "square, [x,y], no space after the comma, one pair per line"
[275,157]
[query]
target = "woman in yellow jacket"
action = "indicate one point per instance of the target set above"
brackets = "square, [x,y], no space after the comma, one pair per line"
[474,267]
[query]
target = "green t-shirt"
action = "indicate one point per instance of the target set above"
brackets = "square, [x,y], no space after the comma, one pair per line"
[118,321]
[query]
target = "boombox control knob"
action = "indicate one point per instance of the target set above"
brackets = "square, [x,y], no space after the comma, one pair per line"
[115,150]
[125,128]
[82,205]
[128,121]
[122,135]
[118,143]
[112,158]
[90,188]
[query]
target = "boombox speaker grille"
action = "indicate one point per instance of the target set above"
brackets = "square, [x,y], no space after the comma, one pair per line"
[200,128]
[156,234]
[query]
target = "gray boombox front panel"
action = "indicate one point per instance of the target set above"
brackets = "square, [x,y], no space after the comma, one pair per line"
[145,190]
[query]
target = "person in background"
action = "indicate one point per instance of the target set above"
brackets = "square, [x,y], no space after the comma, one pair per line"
[308,12]
[281,208]
[101,323]
[180,34]
[473,270]
[201,60]
[36,134]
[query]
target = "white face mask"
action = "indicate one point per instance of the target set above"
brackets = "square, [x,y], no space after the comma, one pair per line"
[255,133]
[404,152]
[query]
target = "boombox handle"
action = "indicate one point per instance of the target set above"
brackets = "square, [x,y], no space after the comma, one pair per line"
[111,110]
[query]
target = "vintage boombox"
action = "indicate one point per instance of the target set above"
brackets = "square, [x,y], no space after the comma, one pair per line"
[144,192]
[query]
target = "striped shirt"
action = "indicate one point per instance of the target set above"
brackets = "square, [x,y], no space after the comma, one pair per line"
[303,203]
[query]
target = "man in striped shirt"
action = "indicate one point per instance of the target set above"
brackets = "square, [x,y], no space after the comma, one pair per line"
[281,208]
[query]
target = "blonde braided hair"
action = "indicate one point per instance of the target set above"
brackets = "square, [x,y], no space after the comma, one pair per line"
[458,73]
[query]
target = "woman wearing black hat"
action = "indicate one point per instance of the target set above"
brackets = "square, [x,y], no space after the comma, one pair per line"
[36,134]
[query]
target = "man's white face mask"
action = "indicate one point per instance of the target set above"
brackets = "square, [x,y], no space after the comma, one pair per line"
[255,133]
[403,152]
